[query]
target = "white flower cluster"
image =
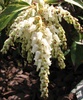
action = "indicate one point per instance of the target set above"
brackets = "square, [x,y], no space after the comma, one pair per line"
[42,37]
[70,19]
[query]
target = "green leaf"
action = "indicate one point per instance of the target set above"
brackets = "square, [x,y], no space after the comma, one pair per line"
[80,17]
[78,3]
[66,52]
[2,1]
[50,1]
[11,12]
[77,54]
[0,7]
[53,1]
[73,52]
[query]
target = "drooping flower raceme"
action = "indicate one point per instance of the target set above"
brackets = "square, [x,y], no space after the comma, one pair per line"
[42,37]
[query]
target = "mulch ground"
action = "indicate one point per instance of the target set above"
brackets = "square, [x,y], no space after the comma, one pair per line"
[20,81]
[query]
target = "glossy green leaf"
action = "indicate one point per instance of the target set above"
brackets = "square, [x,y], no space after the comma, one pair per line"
[78,3]
[66,52]
[77,54]
[73,51]
[11,12]
[53,1]
[81,17]
[50,1]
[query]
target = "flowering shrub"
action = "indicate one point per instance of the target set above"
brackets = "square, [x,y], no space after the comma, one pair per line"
[42,37]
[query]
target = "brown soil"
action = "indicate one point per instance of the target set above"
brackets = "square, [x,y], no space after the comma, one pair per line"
[20,81]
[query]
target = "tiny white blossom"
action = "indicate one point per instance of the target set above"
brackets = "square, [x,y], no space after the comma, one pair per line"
[54,29]
[45,12]
[37,55]
[41,2]
[47,49]
[47,59]
[39,63]
[44,42]
[48,32]
[49,35]
[49,12]
[31,20]
[57,38]
[32,28]
[34,40]
[39,35]
[33,12]
[34,48]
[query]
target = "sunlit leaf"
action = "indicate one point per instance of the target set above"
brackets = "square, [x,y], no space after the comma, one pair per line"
[11,12]
[53,1]
[0,8]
